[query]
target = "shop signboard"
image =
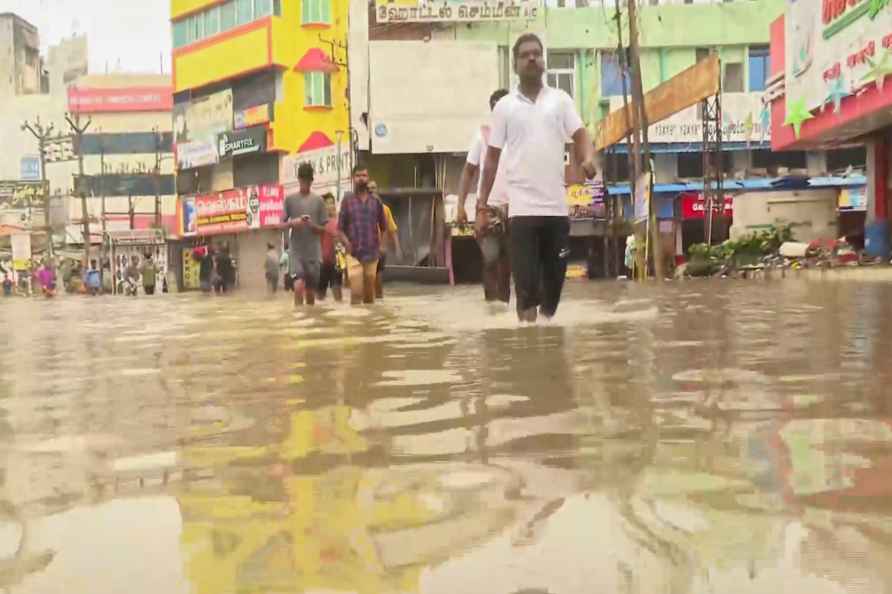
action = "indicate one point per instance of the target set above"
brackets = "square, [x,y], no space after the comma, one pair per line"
[196,154]
[428,11]
[834,49]
[124,99]
[21,194]
[253,116]
[21,250]
[693,206]
[744,119]
[326,162]
[853,199]
[238,210]
[242,142]
[29,169]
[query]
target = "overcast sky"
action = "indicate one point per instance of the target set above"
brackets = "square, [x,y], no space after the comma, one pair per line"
[126,35]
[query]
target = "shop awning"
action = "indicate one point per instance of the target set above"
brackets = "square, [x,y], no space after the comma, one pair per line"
[731,185]
[315,60]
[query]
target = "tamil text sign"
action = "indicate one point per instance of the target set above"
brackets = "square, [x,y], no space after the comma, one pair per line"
[836,48]
[125,99]
[693,206]
[236,210]
[422,11]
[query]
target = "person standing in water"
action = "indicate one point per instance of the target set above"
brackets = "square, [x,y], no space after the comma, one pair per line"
[532,125]
[332,274]
[389,236]
[493,239]
[306,215]
[360,224]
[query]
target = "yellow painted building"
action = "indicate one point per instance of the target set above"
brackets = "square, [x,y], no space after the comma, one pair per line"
[217,41]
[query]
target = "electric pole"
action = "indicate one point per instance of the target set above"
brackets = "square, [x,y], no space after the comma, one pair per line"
[78,132]
[642,124]
[157,177]
[43,134]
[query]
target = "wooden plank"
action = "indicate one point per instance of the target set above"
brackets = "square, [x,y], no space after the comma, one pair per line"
[688,88]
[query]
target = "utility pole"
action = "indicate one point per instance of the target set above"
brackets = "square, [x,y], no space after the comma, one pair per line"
[78,131]
[43,134]
[102,185]
[642,125]
[157,177]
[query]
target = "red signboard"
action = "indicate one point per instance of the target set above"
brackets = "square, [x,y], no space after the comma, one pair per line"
[238,210]
[693,206]
[125,99]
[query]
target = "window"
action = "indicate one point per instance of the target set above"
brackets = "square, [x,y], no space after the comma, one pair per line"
[197,26]
[227,15]
[212,21]
[613,75]
[562,71]
[733,80]
[318,89]
[701,53]
[690,165]
[758,67]
[841,159]
[263,8]
[181,33]
[244,11]
[223,17]
[766,159]
[316,11]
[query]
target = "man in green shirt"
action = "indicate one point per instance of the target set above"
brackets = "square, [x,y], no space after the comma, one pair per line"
[149,275]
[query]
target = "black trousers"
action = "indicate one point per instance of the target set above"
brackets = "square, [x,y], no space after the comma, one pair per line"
[539,251]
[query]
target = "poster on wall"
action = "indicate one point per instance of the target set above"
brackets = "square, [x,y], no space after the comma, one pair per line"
[426,11]
[238,210]
[189,216]
[642,197]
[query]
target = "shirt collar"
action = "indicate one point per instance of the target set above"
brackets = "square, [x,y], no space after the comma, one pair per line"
[545,89]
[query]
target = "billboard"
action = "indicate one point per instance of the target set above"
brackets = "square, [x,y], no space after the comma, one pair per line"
[241,142]
[123,99]
[835,49]
[426,11]
[254,207]
[197,125]
[327,163]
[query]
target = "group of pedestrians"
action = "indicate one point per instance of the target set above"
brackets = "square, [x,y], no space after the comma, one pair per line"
[325,245]
[216,270]
[522,221]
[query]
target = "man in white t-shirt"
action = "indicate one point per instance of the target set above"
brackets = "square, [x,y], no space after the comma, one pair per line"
[532,125]
[493,239]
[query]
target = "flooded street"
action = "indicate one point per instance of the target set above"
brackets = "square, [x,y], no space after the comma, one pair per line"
[706,437]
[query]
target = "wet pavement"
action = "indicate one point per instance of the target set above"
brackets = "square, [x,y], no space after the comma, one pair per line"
[707,437]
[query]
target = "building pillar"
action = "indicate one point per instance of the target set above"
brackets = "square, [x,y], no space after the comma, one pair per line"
[877,227]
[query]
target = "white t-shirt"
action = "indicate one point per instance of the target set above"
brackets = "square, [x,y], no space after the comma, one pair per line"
[477,157]
[532,137]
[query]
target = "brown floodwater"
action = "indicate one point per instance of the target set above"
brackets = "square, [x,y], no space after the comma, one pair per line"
[705,437]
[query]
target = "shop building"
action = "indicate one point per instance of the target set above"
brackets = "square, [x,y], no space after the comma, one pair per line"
[416,129]
[829,65]
[259,87]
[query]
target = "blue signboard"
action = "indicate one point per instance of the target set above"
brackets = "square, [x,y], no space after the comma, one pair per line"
[30,168]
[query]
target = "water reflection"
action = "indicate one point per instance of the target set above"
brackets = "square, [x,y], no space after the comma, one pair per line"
[706,437]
